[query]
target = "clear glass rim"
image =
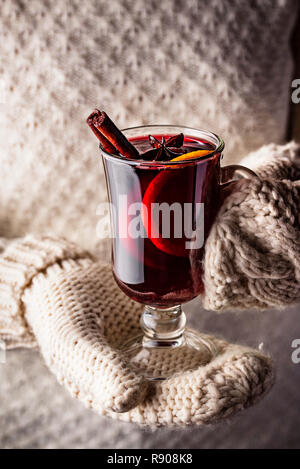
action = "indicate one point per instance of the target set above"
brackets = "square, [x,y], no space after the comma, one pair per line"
[218,150]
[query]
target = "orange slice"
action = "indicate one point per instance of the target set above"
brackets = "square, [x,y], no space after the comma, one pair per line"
[192,155]
[170,246]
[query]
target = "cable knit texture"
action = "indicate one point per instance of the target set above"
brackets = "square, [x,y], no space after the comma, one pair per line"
[221,65]
[20,262]
[252,255]
[60,318]
[79,318]
[68,310]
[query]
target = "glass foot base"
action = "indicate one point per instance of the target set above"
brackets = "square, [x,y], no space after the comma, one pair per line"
[158,360]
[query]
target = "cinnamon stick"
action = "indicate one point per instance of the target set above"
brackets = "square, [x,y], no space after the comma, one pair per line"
[106,145]
[107,129]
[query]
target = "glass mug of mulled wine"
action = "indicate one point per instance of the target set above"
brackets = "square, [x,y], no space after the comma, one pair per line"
[163,202]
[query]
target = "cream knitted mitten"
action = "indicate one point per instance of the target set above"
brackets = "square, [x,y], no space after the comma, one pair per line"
[252,255]
[55,296]
[51,295]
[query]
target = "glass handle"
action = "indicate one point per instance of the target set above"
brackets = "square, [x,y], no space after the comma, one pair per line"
[229,173]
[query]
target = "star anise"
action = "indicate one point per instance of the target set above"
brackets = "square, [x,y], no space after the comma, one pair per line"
[164,150]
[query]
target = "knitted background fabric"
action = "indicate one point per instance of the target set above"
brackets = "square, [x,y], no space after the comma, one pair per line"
[222,65]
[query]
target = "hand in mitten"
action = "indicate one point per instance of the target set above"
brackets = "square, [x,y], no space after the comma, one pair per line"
[54,295]
[252,255]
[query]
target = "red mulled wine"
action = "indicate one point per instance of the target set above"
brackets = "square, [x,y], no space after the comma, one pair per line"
[158,260]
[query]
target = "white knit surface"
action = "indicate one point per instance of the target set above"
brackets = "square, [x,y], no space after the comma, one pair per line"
[221,65]
[252,255]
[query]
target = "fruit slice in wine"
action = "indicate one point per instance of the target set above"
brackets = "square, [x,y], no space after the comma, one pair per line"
[158,192]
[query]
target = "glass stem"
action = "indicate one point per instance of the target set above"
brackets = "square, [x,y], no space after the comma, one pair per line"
[163,327]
